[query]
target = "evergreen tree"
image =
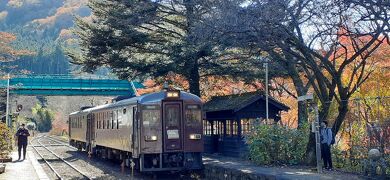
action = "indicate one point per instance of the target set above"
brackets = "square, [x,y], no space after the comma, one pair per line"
[153,38]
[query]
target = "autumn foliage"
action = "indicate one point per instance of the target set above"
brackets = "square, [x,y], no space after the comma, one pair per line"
[7,52]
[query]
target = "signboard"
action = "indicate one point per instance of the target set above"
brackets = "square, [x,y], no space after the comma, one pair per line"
[305,97]
[173,134]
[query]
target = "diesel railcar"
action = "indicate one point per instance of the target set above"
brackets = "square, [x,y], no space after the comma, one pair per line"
[160,131]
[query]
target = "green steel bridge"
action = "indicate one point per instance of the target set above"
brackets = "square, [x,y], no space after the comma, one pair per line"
[68,85]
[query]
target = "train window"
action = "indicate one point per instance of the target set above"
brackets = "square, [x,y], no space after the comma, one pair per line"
[104,123]
[114,114]
[130,117]
[100,124]
[193,106]
[150,116]
[119,119]
[150,107]
[193,115]
[114,121]
[108,123]
[124,111]
[97,121]
[172,115]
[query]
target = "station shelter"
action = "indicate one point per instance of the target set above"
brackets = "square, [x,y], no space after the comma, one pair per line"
[228,119]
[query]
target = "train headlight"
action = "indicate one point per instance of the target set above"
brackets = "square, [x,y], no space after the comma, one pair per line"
[195,136]
[150,138]
[173,94]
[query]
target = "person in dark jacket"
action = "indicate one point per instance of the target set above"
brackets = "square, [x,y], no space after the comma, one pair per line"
[22,135]
[326,142]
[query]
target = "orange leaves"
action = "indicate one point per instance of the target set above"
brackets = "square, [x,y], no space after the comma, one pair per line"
[6,38]
[210,86]
[7,52]
[66,11]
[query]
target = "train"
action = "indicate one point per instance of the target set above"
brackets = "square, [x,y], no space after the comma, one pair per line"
[160,131]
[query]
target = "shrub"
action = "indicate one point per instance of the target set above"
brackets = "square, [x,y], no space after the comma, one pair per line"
[275,145]
[5,140]
[43,117]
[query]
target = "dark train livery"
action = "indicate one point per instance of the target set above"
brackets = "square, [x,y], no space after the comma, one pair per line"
[155,132]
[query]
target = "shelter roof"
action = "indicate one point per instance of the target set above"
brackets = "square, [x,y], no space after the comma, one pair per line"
[237,102]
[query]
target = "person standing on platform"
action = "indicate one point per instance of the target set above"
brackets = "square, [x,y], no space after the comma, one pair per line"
[22,135]
[326,142]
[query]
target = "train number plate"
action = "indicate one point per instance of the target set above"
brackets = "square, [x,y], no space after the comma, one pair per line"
[173,134]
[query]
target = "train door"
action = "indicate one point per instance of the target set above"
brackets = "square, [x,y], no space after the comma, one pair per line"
[90,136]
[172,127]
[69,128]
[134,135]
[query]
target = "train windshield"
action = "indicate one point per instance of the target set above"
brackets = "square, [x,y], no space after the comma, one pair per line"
[193,115]
[151,116]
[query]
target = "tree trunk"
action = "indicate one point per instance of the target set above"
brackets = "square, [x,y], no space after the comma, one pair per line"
[193,80]
[301,91]
[302,114]
[343,109]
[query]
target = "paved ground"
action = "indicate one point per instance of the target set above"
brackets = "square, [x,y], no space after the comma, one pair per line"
[29,169]
[235,165]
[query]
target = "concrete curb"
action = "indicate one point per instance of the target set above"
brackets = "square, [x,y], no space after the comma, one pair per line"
[38,168]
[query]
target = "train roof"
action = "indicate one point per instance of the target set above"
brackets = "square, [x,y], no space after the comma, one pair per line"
[151,98]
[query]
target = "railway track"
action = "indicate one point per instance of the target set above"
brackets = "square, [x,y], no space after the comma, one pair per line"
[61,167]
[61,142]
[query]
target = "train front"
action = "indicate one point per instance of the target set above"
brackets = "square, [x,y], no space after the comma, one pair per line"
[171,131]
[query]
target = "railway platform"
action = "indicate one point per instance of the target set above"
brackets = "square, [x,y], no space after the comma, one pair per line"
[215,167]
[29,169]
[227,168]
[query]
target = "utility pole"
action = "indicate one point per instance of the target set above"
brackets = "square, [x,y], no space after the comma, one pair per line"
[266,90]
[7,120]
[265,65]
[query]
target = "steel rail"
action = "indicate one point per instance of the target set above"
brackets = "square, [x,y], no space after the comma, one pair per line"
[44,159]
[66,162]
[63,160]
[61,142]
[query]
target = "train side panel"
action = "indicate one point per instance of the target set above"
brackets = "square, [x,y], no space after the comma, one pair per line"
[114,128]
[78,125]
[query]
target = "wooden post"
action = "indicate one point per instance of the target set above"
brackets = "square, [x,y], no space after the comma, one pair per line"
[123,167]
